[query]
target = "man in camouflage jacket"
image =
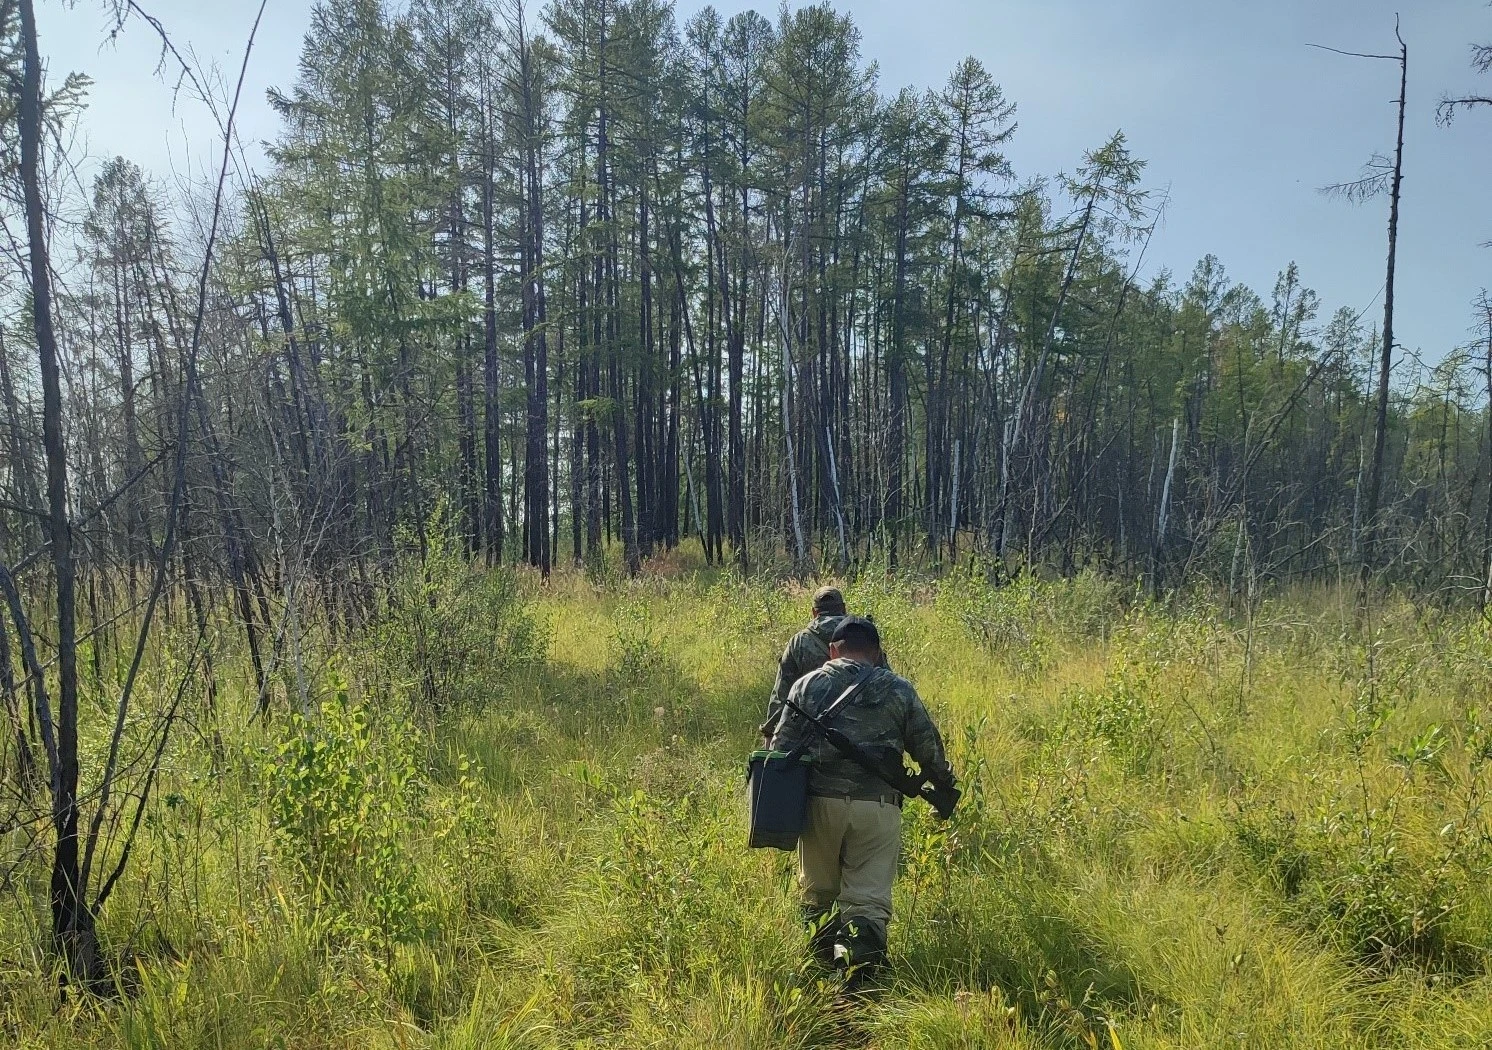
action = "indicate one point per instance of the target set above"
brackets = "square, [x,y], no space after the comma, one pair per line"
[806,652]
[851,839]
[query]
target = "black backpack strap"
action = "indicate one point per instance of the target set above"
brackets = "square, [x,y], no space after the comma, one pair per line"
[843,700]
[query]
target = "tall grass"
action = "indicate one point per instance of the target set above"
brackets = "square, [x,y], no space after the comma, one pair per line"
[512,817]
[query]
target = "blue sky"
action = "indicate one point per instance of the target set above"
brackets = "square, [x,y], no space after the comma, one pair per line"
[1237,117]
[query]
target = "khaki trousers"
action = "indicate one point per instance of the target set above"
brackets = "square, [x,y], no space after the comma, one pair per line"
[847,855]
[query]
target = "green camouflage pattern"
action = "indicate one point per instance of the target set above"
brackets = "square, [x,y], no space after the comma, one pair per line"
[806,652]
[886,717]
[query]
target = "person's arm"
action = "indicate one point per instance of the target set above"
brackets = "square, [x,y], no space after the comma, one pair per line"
[787,677]
[791,729]
[925,743]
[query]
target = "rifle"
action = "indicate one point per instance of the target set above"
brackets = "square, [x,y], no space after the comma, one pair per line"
[942,797]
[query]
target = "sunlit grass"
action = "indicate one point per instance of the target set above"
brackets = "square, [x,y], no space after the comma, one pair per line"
[1180,830]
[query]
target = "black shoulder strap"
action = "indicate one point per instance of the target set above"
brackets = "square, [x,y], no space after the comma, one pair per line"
[842,701]
[850,693]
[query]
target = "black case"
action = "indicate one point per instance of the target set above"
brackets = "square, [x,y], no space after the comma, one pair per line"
[777,785]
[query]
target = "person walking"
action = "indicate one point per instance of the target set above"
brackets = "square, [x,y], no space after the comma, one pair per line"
[851,839]
[806,651]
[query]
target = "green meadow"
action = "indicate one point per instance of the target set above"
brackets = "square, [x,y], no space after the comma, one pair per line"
[510,813]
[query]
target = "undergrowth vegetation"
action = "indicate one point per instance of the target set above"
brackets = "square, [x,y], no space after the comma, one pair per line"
[510,815]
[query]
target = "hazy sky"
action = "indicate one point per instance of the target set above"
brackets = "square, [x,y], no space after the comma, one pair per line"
[1238,118]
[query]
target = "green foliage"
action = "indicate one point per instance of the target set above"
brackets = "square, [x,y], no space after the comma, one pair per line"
[1123,718]
[1178,831]
[344,789]
[638,649]
[1362,867]
[666,924]
[1023,622]
[452,633]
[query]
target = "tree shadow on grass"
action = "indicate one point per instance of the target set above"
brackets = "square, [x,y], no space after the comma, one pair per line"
[575,703]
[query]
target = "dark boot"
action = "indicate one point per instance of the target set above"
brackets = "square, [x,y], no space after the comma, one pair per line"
[823,931]
[860,951]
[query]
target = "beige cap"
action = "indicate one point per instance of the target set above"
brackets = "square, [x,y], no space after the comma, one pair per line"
[829,600]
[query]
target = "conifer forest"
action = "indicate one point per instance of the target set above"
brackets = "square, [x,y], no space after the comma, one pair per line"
[399,528]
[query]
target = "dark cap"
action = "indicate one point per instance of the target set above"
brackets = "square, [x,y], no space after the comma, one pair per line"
[858,633]
[829,600]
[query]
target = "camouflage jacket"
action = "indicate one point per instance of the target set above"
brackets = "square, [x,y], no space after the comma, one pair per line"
[806,652]
[885,717]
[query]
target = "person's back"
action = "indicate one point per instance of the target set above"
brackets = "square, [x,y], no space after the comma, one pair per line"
[886,718]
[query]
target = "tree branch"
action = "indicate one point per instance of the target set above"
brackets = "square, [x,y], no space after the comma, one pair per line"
[179,483]
[1354,54]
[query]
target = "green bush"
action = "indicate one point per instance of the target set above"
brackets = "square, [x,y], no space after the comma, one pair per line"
[344,791]
[452,631]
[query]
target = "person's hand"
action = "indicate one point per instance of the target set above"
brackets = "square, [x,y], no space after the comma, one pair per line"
[943,798]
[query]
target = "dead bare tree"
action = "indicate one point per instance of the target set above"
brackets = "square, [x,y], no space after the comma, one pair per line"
[1484,306]
[73,914]
[72,922]
[1383,176]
